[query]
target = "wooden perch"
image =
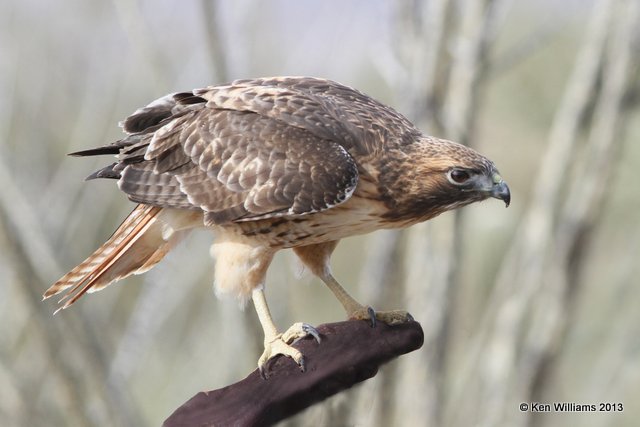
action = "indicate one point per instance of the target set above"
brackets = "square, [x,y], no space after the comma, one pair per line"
[350,352]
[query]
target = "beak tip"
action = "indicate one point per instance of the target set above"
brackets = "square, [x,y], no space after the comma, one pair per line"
[501,191]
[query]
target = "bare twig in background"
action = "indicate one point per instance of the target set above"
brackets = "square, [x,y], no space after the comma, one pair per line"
[419,25]
[522,274]
[24,221]
[64,369]
[583,207]
[617,370]
[469,66]
[61,373]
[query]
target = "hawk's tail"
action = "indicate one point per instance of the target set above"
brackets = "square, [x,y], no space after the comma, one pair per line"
[140,242]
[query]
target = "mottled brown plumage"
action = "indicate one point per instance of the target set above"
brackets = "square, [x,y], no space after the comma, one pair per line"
[268,164]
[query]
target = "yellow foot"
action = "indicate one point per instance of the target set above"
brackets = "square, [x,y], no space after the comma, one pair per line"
[279,344]
[393,317]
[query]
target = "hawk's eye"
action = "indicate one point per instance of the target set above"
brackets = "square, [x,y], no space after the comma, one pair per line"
[458,176]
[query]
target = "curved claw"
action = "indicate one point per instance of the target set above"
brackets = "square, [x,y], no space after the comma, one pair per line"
[372,316]
[263,370]
[310,330]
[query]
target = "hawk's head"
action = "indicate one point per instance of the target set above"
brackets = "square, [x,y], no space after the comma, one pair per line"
[437,175]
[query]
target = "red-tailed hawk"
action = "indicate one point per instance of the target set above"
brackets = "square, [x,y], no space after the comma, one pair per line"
[269,164]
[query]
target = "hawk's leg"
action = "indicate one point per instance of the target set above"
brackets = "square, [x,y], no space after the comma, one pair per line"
[357,311]
[317,258]
[278,343]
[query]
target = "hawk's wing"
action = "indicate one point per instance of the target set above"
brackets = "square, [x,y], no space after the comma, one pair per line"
[234,162]
[323,107]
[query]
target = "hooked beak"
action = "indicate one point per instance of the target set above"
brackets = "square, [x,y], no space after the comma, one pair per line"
[500,190]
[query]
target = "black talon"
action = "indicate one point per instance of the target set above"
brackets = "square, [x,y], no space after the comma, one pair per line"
[264,369]
[302,366]
[310,330]
[263,373]
[372,316]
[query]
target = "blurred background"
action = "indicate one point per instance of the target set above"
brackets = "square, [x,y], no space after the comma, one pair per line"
[535,303]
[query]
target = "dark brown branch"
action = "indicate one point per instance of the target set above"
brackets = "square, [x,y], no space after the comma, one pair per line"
[350,352]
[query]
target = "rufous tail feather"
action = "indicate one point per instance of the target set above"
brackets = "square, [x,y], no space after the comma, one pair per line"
[137,245]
